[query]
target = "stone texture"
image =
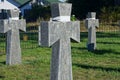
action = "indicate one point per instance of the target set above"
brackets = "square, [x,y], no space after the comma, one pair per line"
[13,50]
[39,35]
[91,24]
[13,13]
[61,9]
[58,34]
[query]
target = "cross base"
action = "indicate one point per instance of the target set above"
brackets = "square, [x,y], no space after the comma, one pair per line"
[91,47]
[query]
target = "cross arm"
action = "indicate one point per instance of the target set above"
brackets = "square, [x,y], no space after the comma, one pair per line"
[97,23]
[49,33]
[91,22]
[75,31]
[4,26]
[22,24]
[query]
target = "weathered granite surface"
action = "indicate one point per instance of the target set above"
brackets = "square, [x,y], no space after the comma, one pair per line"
[91,24]
[13,13]
[12,27]
[61,9]
[58,34]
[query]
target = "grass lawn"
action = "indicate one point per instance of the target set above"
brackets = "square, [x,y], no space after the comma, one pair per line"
[102,64]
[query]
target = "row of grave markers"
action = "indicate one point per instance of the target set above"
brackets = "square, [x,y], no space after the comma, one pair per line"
[56,33]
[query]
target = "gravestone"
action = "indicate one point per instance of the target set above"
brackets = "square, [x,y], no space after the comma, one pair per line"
[39,35]
[57,33]
[91,24]
[12,26]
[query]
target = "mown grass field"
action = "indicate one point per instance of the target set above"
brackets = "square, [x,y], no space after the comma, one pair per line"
[102,64]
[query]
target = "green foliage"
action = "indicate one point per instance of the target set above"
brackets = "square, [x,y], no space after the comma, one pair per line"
[110,14]
[82,7]
[73,18]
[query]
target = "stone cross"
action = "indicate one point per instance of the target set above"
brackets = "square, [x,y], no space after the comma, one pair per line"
[12,26]
[91,24]
[57,33]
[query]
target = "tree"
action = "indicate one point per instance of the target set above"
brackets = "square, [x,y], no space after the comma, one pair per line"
[38,12]
[82,7]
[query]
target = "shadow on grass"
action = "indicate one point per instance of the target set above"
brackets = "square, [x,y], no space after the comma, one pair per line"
[97,67]
[118,43]
[101,52]
[79,48]
[2,77]
[108,34]
[97,52]
[84,35]
[1,54]
[2,63]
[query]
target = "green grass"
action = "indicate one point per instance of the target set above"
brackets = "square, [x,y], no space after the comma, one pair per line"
[102,64]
